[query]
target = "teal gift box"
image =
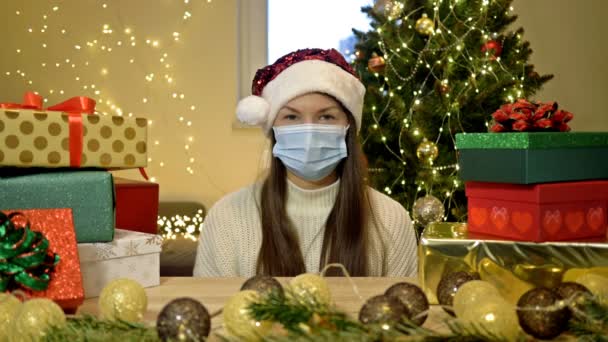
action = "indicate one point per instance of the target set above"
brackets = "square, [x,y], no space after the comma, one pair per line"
[532,157]
[90,195]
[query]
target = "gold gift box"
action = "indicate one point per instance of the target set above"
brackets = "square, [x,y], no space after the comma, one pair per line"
[513,267]
[41,139]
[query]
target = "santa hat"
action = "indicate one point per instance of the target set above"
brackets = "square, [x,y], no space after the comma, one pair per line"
[298,73]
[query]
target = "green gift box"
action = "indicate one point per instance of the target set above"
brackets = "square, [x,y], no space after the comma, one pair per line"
[90,195]
[529,158]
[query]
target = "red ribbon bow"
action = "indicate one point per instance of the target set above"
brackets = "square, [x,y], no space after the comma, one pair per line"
[74,107]
[526,116]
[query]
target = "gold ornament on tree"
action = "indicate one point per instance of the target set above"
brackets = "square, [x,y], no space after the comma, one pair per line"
[428,209]
[425,25]
[123,299]
[238,321]
[388,8]
[427,151]
[376,63]
[34,317]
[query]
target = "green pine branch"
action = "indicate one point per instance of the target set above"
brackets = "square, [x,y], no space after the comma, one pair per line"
[91,329]
[592,323]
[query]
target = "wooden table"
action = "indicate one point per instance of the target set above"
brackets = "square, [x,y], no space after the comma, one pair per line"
[214,292]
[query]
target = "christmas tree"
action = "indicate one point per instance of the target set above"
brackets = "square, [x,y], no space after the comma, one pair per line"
[434,68]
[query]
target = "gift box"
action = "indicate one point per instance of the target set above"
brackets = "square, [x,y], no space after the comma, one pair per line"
[131,255]
[136,205]
[69,135]
[65,284]
[527,158]
[539,212]
[513,267]
[89,193]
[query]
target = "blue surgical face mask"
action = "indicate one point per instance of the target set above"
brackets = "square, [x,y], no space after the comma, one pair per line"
[310,151]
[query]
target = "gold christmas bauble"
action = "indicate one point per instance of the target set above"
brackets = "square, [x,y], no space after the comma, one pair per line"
[123,299]
[310,288]
[425,25]
[495,316]
[471,294]
[33,318]
[376,63]
[238,321]
[597,284]
[427,151]
[9,305]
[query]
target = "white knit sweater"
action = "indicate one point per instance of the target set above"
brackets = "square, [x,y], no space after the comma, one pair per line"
[231,235]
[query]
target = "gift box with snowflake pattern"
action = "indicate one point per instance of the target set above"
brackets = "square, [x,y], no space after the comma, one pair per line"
[131,255]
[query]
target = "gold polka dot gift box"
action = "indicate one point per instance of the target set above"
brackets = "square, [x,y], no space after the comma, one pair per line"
[69,135]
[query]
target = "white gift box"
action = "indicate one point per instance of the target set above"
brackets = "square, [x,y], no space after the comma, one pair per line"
[131,255]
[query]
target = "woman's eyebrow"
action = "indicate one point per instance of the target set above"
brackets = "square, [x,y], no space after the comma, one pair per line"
[292,109]
[327,108]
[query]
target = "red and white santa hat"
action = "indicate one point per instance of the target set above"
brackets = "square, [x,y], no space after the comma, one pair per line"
[298,73]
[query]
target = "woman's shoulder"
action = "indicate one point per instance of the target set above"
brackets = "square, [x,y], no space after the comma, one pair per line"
[241,200]
[388,211]
[382,201]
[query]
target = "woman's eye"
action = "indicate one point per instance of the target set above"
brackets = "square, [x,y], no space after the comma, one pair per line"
[326,117]
[290,117]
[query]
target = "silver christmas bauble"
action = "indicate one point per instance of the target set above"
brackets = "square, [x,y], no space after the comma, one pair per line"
[428,209]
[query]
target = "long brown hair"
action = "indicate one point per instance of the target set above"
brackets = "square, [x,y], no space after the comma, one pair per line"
[345,237]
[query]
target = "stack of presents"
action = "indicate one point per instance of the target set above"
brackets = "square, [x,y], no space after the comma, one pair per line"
[55,181]
[537,212]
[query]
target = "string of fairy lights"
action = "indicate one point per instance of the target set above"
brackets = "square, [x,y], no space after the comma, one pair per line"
[86,65]
[487,67]
[91,60]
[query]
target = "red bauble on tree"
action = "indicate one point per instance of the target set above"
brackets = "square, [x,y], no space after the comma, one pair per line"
[494,46]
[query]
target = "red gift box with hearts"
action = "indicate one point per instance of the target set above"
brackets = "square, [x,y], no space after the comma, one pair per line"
[539,212]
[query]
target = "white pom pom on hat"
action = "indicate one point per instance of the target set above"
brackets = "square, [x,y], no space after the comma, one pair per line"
[253,110]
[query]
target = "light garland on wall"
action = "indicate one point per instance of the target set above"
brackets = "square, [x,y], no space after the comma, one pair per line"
[181,226]
[84,66]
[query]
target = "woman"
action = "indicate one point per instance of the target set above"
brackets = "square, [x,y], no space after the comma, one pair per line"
[314,207]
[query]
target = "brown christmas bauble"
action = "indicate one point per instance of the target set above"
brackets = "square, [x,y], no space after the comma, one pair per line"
[449,285]
[383,309]
[574,294]
[183,319]
[540,313]
[425,25]
[413,298]
[376,63]
[264,285]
